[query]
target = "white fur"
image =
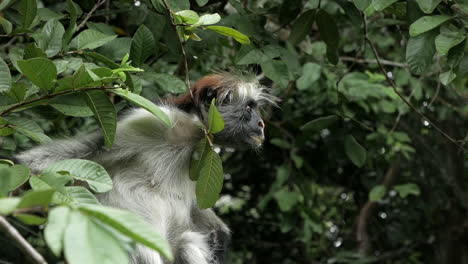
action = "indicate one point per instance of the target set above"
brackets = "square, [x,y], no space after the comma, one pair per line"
[149,164]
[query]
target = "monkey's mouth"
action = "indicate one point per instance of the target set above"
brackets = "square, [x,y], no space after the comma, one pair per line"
[256,140]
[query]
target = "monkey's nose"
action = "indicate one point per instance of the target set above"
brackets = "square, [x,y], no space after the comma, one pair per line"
[261,124]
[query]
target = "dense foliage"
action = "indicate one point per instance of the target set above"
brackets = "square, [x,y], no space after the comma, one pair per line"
[364,162]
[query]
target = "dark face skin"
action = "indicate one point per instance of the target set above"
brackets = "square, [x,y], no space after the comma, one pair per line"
[242,123]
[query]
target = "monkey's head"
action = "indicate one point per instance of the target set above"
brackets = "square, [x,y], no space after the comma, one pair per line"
[239,100]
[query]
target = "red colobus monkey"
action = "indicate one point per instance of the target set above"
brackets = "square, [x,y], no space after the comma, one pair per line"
[149,163]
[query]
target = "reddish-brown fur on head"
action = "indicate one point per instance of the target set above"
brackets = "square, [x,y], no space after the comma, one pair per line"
[185,101]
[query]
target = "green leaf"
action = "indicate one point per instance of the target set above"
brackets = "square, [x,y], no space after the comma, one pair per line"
[215,120]
[166,82]
[7,130]
[447,40]
[104,112]
[310,74]
[50,180]
[362,4]
[380,5]
[8,205]
[72,10]
[428,6]
[19,174]
[201,2]
[36,198]
[131,225]
[201,150]
[40,71]
[144,103]
[427,23]
[210,181]
[55,229]
[79,195]
[71,105]
[447,77]
[419,52]
[287,199]
[302,27]
[30,219]
[91,39]
[143,45]
[177,5]
[28,11]
[32,51]
[28,128]
[329,34]
[355,152]
[377,193]
[209,19]
[5,77]
[319,123]
[53,35]
[404,190]
[6,25]
[277,71]
[86,241]
[280,143]
[92,173]
[239,37]
[188,16]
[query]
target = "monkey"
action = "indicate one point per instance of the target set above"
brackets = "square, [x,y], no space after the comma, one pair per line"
[149,163]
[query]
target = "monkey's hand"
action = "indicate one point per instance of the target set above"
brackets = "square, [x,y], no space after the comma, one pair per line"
[219,241]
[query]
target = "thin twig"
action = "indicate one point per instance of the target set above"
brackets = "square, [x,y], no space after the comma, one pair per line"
[27,248]
[393,85]
[181,45]
[13,39]
[370,61]
[96,6]
[186,67]
[49,96]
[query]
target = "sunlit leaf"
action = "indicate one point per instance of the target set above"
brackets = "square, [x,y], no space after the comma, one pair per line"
[239,37]
[92,173]
[131,225]
[104,112]
[210,181]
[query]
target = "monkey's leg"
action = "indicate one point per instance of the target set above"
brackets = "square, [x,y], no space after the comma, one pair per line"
[193,248]
[207,222]
[144,255]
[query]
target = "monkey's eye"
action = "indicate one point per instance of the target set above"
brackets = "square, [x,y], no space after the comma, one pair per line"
[210,95]
[250,105]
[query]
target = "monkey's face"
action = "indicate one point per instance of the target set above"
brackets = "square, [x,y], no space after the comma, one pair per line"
[240,108]
[242,124]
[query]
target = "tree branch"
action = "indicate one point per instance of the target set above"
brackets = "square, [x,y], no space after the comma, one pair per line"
[96,6]
[49,96]
[181,45]
[25,246]
[362,235]
[370,61]
[393,85]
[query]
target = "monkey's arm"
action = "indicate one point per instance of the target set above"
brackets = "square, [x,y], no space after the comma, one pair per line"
[219,234]
[40,157]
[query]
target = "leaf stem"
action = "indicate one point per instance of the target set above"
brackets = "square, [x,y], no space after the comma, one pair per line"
[27,248]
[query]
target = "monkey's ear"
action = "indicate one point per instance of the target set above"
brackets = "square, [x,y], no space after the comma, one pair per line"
[207,95]
[206,88]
